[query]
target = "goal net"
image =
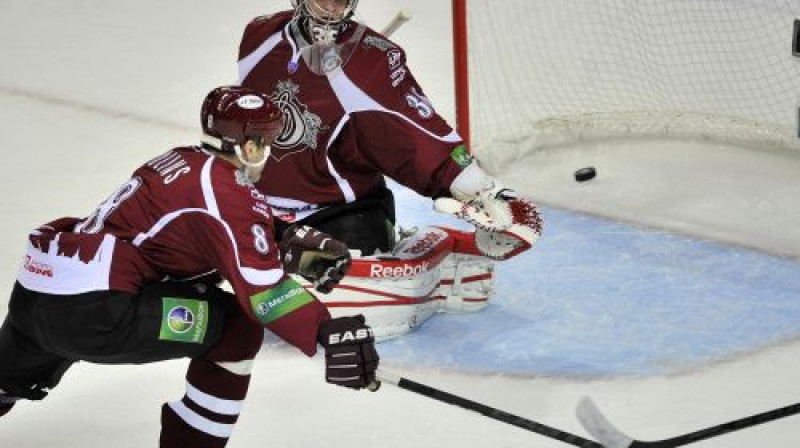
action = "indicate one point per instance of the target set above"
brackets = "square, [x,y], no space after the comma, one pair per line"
[545,73]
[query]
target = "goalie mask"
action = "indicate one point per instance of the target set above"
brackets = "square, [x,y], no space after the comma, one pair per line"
[325,34]
[324,18]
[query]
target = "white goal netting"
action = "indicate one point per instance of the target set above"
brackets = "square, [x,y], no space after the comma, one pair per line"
[550,72]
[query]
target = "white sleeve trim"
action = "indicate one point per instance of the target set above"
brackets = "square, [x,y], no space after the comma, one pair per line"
[241,368]
[212,403]
[201,423]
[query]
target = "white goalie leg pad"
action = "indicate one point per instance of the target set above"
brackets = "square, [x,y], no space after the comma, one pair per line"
[467,283]
[395,292]
[467,277]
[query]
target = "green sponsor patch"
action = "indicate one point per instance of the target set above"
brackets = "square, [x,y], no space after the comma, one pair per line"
[461,156]
[183,320]
[279,301]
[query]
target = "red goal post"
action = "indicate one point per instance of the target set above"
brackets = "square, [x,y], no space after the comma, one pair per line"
[461,65]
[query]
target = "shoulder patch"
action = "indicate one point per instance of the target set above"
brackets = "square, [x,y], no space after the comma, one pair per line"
[378,42]
[263,18]
[461,156]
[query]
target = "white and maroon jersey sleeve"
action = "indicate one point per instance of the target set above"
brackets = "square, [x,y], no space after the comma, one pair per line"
[393,126]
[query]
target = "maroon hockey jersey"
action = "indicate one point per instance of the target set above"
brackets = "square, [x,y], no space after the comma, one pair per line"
[348,127]
[183,214]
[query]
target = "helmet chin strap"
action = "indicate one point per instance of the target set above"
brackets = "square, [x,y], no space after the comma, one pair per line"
[240,156]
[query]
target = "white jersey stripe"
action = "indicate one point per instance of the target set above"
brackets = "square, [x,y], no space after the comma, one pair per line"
[164,221]
[252,276]
[212,403]
[255,277]
[354,99]
[208,188]
[249,62]
[344,185]
[201,423]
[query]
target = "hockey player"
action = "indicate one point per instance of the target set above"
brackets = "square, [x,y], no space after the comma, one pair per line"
[135,282]
[354,114]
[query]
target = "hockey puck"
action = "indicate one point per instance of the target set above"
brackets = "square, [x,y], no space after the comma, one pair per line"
[584,174]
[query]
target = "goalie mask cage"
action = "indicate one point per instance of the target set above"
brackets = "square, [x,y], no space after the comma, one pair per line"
[532,74]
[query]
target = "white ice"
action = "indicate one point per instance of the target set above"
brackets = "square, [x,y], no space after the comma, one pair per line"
[623,310]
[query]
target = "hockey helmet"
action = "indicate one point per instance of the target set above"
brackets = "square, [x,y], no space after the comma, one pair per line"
[233,114]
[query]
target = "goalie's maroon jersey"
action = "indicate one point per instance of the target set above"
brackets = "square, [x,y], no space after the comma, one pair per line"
[347,128]
[183,214]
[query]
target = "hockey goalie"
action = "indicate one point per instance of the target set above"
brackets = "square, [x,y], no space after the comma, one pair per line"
[429,270]
[354,114]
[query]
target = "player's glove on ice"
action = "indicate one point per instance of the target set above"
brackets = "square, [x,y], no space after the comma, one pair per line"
[350,355]
[315,255]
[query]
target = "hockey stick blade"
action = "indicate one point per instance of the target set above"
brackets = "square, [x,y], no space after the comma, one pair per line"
[497,414]
[598,426]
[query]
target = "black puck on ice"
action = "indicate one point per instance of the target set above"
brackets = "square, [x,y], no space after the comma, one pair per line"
[584,174]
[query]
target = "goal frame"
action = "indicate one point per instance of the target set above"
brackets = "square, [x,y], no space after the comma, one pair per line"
[461,66]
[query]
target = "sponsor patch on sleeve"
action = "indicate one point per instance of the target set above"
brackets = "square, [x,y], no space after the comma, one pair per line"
[280,300]
[461,156]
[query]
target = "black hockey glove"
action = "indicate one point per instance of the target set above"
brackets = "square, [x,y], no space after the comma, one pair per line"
[316,256]
[350,355]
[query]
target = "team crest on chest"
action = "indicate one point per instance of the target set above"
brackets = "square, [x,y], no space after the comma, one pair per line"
[302,127]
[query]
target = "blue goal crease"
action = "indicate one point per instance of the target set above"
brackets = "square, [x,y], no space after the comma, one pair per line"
[600,298]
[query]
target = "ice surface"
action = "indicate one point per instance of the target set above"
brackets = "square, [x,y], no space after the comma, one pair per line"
[668,332]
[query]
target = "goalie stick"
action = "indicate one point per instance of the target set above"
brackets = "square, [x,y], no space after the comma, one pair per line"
[601,429]
[488,411]
[399,19]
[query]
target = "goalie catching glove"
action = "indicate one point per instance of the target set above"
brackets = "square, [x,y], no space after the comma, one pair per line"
[350,355]
[314,255]
[505,224]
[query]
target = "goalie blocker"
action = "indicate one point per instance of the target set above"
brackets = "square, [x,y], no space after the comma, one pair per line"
[435,269]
